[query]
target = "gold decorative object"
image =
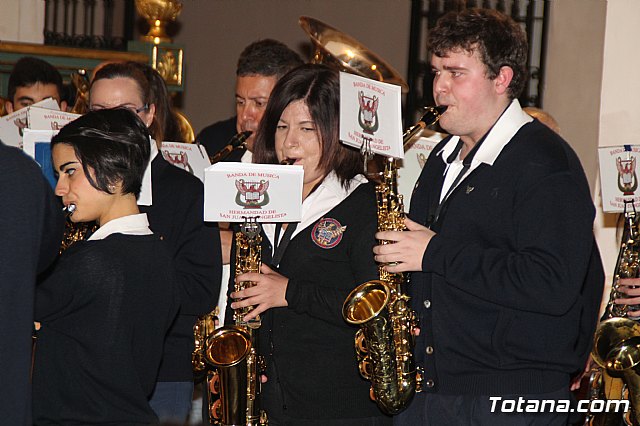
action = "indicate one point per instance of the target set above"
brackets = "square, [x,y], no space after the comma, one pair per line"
[158,13]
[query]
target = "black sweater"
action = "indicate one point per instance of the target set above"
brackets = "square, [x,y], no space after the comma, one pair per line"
[511,284]
[105,311]
[31,230]
[309,347]
[177,216]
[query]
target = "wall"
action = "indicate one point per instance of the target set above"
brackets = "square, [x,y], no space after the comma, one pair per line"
[22,20]
[574,74]
[620,103]
[215,32]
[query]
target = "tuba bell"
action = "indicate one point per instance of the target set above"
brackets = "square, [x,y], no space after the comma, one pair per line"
[341,51]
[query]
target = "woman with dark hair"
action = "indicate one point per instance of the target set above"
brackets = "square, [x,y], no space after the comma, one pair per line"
[312,371]
[176,213]
[107,305]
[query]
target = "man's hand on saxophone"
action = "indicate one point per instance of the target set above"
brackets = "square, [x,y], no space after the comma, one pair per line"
[406,248]
[269,291]
[631,288]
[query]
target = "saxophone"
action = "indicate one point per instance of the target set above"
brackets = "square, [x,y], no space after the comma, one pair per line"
[74,231]
[232,350]
[384,342]
[616,347]
[238,141]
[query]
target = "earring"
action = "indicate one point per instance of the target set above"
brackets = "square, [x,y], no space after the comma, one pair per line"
[112,188]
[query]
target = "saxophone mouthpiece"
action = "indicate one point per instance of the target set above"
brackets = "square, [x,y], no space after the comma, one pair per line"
[69,209]
[440,109]
[287,161]
[239,138]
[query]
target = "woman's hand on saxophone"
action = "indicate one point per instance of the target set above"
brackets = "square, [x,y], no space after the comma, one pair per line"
[405,249]
[631,288]
[269,291]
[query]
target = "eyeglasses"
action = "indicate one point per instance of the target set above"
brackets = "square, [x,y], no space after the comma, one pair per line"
[131,108]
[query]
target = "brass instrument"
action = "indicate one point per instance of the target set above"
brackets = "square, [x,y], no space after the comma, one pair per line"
[232,350]
[74,231]
[616,346]
[80,81]
[236,142]
[338,50]
[384,343]
[203,328]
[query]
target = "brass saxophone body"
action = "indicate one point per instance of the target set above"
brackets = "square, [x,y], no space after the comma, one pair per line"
[232,350]
[384,343]
[616,347]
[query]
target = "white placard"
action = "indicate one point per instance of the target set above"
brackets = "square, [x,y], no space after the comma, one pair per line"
[39,118]
[270,192]
[619,176]
[187,156]
[12,125]
[37,145]
[370,114]
[414,160]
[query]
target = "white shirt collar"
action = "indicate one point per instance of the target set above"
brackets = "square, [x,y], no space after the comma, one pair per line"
[327,195]
[499,136]
[135,224]
[247,157]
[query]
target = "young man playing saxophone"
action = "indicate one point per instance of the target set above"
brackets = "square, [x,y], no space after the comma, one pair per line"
[507,278]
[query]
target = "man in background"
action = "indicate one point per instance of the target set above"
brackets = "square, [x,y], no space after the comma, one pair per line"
[260,66]
[33,80]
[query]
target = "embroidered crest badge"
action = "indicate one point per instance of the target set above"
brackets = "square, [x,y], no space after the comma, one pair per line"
[327,233]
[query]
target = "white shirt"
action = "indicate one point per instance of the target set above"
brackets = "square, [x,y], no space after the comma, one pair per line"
[498,137]
[247,157]
[134,224]
[145,199]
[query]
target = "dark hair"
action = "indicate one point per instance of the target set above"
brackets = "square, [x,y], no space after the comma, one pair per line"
[29,71]
[497,38]
[267,57]
[114,143]
[153,91]
[319,87]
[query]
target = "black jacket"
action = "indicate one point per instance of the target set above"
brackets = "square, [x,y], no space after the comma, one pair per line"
[511,284]
[309,348]
[177,216]
[31,231]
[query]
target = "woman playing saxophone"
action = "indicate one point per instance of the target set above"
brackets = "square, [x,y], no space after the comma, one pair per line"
[107,305]
[312,372]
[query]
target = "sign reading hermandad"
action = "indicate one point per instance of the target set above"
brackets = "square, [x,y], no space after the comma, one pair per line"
[370,115]
[235,191]
[619,176]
